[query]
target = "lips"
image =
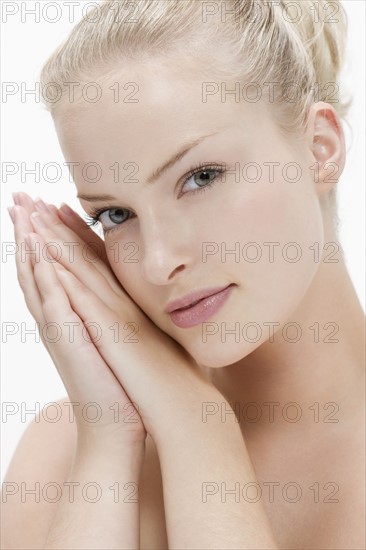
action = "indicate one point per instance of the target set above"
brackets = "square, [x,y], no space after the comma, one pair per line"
[193,298]
[192,304]
[204,309]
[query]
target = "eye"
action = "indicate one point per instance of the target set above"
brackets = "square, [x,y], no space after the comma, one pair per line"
[202,178]
[114,216]
[109,218]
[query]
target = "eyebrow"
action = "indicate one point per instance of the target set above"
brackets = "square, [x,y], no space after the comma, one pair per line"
[157,173]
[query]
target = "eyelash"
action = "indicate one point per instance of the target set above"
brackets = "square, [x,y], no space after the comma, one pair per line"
[94,218]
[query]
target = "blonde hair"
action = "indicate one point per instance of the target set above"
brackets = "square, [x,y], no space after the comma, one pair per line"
[280,45]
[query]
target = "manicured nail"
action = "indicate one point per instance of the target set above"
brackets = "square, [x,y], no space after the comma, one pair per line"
[16,198]
[11,213]
[66,209]
[52,207]
[37,218]
[40,205]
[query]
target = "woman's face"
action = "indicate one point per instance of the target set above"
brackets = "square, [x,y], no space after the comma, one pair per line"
[257,226]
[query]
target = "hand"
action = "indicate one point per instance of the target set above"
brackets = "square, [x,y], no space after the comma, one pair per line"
[154,370]
[86,376]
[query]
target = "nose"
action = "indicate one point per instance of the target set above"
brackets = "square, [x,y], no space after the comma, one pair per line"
[166,248]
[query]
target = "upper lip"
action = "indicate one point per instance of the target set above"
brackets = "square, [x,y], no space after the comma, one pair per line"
[194,296]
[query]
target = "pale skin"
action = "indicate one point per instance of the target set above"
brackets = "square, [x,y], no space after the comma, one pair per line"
[169,385]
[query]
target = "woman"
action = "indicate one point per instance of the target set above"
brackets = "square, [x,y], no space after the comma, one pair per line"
[206,325]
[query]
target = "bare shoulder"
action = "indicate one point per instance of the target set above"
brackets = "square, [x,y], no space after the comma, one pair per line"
[41,460]
[341,523]
[330,475]
[41,463]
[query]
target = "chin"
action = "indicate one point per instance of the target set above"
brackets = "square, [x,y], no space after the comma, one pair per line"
[221,355]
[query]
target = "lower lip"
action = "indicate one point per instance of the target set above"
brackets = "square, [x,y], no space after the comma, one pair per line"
[203,310]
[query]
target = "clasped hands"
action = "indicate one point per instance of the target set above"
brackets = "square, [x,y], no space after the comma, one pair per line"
[145,385]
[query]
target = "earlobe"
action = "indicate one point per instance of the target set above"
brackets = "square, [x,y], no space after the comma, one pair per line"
[326,140]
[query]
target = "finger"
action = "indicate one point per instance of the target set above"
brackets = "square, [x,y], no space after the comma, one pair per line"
[124,324]
[70,237]
[74,259]
[53,208]
[73,221]
[135,349]
[77,359]
[24,200]
[22,226]
[24,266]
[81,228]
[76,254]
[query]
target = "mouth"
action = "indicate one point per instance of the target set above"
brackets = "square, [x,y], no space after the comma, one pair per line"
[194,303]
[195,297]
[201,310]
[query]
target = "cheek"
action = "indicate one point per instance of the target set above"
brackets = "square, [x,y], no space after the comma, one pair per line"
[277,224]
[123,258]
[276,231]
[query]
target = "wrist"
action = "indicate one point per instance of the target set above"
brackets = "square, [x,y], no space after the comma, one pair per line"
[204,415]
[110,448]
[107,464]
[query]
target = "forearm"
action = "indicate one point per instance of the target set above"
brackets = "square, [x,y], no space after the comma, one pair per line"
[199,461]
[105,513]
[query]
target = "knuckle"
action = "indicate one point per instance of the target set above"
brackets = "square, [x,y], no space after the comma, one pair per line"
[54,221]
[49,296]
[49,305]
[82,291]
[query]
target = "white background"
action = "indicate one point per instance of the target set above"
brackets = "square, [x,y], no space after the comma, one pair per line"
[28,376]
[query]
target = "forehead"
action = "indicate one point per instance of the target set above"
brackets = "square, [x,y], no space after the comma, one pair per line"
[145,111]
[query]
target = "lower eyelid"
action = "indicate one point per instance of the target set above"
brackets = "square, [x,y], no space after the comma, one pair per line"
[117,225]
[220,171]
[114,208]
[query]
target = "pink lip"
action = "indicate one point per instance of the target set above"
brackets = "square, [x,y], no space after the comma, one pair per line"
[203,310]
[194,296]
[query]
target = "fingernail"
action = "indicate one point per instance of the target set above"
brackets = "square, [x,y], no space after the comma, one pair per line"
[16,198]
[40,205]
[11,213]
[37,218]
[66,209]
[52,208]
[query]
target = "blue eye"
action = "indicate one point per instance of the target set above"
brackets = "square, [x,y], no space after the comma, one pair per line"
[206,181]
[203,183]
[112,215]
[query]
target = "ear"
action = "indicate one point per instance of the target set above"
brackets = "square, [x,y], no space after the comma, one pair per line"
[327,144]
